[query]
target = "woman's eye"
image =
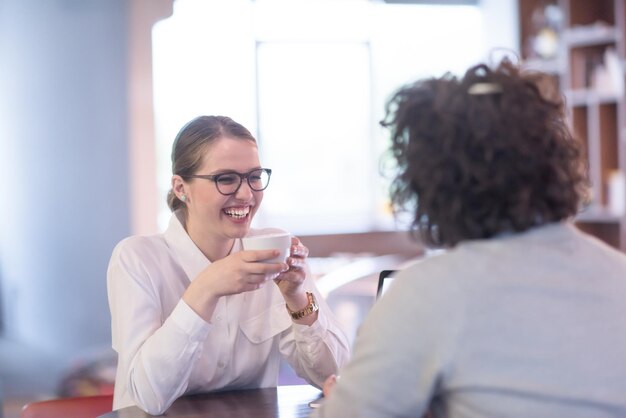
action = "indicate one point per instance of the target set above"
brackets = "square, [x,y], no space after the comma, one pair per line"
[227,179]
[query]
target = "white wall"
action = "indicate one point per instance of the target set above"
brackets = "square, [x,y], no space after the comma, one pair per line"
[501,24]
[64,167]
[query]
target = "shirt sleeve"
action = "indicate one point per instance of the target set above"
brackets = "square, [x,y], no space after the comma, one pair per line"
[401,353]
[317,351]
[155,355]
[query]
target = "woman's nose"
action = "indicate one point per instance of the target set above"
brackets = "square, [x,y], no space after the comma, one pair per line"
[244,192]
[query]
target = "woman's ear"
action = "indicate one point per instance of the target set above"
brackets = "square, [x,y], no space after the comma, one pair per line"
[178,187]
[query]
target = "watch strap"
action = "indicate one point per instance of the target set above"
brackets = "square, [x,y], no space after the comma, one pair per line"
[310,309]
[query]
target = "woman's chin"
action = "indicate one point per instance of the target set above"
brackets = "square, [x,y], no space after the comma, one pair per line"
[239,229]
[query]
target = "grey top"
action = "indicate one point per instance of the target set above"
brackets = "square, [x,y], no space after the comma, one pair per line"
[524,325]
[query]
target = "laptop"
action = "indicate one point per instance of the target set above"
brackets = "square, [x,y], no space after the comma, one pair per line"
[384,281]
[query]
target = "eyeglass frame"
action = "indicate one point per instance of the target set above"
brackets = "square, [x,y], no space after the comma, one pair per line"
[215,177]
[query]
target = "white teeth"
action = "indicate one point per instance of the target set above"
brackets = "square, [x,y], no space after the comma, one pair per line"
[237,213]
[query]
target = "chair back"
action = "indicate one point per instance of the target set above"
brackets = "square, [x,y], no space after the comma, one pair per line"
[76,407]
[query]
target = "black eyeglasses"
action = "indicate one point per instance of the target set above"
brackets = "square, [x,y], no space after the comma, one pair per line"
[229,183]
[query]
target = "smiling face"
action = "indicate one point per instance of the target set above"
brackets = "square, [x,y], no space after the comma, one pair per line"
[212,216]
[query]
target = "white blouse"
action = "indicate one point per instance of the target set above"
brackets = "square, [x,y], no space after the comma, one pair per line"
[166,350]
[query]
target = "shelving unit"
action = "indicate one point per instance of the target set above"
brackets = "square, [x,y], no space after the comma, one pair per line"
[588,67]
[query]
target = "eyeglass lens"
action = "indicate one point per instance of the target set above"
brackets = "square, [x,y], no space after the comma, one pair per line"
[229,183]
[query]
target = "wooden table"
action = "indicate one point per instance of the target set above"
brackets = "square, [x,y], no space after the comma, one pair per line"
[281,402]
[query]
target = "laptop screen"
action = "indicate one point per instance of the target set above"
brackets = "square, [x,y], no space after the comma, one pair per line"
[384,281]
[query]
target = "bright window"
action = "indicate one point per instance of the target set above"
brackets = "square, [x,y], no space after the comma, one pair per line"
[314,130]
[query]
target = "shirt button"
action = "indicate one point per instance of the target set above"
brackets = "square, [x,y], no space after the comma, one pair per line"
[220,364]
[218,318]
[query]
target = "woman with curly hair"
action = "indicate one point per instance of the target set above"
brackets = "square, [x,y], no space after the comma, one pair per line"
[523,314]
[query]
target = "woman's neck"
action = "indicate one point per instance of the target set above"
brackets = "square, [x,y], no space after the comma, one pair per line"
[214,247]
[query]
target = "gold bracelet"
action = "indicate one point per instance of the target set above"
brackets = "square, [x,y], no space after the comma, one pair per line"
[310,309]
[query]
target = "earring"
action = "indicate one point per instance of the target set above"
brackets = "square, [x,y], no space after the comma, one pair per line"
[183,198]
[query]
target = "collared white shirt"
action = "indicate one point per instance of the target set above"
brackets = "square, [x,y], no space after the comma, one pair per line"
[166,350]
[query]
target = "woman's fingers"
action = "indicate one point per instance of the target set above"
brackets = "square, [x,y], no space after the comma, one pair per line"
[298,255]
[329,385]
[253,256]
[296,263]
[243,271]
[297,249]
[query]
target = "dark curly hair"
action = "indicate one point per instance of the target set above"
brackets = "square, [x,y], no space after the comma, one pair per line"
[481,155]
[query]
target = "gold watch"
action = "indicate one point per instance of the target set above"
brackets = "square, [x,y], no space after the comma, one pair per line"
[310,309]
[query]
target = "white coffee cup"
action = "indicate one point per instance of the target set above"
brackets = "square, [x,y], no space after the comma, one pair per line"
[269,239]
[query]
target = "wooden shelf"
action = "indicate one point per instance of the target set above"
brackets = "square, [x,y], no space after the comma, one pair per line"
[590,97]
[552,66]
[598,215]
[585,69]
[591,35]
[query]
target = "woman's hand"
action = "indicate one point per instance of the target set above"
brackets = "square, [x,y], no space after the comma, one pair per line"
[291,281]
[329,385]
[237,273]
[241,272]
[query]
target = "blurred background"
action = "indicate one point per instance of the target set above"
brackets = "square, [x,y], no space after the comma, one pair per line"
[92,93]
